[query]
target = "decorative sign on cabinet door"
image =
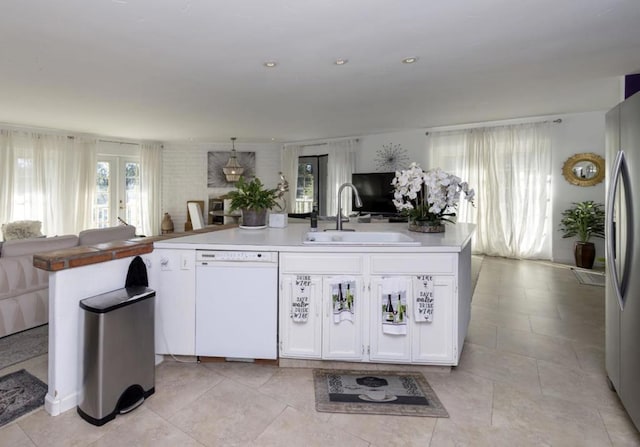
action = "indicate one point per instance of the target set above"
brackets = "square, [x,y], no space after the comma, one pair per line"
[423,290]
[301,298]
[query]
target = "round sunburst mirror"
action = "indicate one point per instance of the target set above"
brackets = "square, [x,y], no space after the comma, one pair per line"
[586,169]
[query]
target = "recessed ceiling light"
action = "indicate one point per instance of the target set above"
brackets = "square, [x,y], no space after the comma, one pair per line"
[270,64]
[341,61]
[409,60]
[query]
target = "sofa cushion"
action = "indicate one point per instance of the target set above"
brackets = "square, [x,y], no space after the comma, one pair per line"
[21,229]
[22,247]
[101,235]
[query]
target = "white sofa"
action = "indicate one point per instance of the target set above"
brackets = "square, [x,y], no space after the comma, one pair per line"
[24,289]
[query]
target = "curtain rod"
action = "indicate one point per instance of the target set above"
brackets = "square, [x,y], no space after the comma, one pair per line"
[556,121]
[321,143]
[117,142]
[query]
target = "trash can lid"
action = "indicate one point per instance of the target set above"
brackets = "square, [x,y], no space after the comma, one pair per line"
[106,302]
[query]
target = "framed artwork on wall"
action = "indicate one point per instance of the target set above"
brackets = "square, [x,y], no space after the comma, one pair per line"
[217,160]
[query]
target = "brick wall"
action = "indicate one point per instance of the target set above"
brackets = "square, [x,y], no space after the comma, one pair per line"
[184,173]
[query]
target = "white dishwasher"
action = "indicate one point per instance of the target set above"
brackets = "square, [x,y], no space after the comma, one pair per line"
[236,304]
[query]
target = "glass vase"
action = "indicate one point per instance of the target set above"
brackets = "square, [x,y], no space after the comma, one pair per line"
[426,226]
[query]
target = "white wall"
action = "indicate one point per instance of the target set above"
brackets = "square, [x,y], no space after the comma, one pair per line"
[581,132]
[184,174]
[412,141]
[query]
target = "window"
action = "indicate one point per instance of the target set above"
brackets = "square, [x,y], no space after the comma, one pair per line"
[311,183]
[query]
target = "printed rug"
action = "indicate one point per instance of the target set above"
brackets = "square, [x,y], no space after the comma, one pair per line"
[376,392]
[24,345]
[590,278]
[20,393]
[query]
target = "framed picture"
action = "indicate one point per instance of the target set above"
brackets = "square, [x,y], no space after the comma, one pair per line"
[217,160]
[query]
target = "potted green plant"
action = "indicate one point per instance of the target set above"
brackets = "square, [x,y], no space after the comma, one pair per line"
[254,200]
[583,220]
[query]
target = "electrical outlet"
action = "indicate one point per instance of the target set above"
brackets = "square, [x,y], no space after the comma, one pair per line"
[184,262]
[164,264]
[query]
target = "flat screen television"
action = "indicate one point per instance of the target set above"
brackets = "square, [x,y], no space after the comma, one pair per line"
[375,192]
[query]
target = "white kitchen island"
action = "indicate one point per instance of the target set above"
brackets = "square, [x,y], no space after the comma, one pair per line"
[311,324]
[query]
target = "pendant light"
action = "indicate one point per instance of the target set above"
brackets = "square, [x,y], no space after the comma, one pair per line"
[232,170]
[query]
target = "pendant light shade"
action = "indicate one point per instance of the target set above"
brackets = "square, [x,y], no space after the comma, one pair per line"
[232,170]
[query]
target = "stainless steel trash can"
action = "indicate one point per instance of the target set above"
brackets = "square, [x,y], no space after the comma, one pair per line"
[118,353]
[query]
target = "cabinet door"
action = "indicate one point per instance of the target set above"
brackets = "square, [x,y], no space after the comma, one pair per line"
[342,333]
[175,286]
[387,347]
[432,342]
[298,338]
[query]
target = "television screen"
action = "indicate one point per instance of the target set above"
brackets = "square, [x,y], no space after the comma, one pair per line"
[375,192]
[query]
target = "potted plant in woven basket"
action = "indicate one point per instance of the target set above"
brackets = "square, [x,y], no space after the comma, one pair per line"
[254,200]
[584,220]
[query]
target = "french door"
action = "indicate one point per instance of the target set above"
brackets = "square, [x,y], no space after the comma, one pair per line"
[117,192]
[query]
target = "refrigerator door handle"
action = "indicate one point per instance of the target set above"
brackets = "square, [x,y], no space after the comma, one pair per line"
[616,172]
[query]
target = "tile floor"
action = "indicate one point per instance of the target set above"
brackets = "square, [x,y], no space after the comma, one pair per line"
[531,374]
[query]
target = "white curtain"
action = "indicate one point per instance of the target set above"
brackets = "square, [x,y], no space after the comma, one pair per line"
[150,188]
[510,169]
[289,164]
[340,166]
[50,178]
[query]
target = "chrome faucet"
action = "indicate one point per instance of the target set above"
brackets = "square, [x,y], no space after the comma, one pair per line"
[358,204]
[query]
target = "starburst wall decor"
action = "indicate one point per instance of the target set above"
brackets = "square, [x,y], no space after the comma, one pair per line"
[391,157]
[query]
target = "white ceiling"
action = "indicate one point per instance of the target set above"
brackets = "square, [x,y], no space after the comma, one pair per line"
[177,70]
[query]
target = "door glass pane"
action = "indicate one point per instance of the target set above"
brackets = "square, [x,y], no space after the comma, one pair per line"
[101,218]
[133,212]
[306,187]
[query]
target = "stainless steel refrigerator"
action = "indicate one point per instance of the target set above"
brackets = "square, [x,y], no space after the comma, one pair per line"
[623,253]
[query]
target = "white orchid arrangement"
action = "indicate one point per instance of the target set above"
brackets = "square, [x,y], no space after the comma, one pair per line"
[431,196]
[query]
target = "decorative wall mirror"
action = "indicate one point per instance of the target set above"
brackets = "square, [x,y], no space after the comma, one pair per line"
[586,169]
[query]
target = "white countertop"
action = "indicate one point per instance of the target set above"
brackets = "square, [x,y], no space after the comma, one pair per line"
[290,239]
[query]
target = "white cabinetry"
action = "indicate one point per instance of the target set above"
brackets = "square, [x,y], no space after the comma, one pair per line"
[174,282]
[363,339]
[303,338]
[320,336]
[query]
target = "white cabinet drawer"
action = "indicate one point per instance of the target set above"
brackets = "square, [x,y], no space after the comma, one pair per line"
[433,263]
[321,263]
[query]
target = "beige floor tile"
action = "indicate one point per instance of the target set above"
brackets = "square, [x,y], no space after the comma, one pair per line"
[621,430]
[229,414]
[467,397]
[451,433]
[513,320]
[590,358]
[37,366]
[541,347]
[385,430]
[250,374]
[143,427]
[513,369]
[483,334]
[67,429]
[528,306]
[576,385]
[295,387]
[294,428]
[12,436]
[180,384]
[557,422]
[581,332]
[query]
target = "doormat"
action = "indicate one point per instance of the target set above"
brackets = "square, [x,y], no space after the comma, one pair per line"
[16,348]
[373,392]
[590,278]
[20,393]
